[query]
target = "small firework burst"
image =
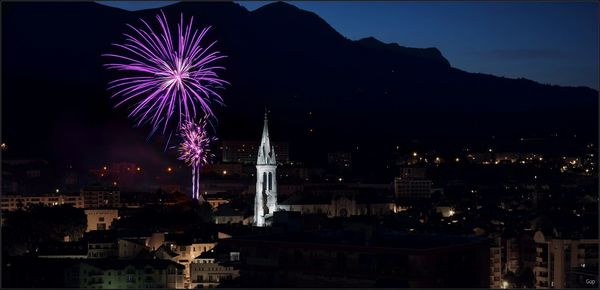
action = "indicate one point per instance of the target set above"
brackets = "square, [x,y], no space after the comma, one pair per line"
[195,150]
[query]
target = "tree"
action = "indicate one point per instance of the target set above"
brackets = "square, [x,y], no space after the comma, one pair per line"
[509,277]
[24,231]
[524,278]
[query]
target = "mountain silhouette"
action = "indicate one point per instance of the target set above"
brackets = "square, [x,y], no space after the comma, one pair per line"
[324,91]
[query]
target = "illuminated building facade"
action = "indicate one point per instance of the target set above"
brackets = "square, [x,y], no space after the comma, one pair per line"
[207,272]
[265,202]
[125,274]
[100,219]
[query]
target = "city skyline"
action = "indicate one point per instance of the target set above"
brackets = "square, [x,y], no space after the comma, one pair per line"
[318,157]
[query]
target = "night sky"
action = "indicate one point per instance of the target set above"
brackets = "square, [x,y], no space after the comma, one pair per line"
[549,42]
[73,117]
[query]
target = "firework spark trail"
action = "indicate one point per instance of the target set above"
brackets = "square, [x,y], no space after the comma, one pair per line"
[167,75]
[195,150]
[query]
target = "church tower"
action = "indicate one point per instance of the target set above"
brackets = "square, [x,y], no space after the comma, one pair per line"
[265,202]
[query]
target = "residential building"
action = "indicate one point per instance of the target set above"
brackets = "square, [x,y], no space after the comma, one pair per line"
[102,250]
[125,274]
[130,248]
[412,184]
[100,219]
[101,197]
[207,272]
[14,202]
[557,259]
[496,263]
[184,252]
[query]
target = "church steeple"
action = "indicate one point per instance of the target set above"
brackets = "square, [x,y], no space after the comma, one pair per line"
[266,152]
[265,201]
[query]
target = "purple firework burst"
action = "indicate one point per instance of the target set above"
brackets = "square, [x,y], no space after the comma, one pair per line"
[195,150]
[166,75]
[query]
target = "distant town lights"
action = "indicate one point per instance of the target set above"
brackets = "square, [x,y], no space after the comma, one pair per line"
[415,154]
[169,169]
[224,172]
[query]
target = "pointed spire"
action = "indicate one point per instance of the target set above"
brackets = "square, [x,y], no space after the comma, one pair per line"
[266,152]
